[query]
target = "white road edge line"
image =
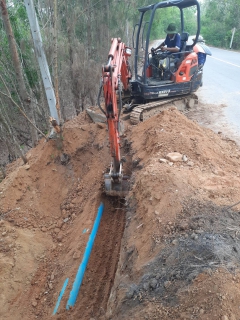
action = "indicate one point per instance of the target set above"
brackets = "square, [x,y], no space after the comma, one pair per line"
[232,64]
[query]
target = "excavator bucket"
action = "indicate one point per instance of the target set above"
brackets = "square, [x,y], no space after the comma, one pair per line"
[116,188]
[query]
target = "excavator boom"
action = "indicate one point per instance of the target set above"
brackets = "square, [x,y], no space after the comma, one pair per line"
[115,74]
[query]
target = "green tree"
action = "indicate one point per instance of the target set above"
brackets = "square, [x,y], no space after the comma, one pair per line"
[218,19]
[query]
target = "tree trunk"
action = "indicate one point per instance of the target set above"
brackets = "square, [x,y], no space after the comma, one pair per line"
[89,30]
[55,60]
[74,86]
[9,130]
[26,99]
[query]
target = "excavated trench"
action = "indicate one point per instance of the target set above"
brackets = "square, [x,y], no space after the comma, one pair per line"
[103,262]
[98,279]
[100,272]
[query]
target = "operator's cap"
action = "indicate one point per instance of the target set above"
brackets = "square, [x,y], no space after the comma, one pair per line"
[171,29]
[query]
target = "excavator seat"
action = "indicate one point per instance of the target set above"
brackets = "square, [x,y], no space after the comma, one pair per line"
[180,56]
[184,38]
[173,61]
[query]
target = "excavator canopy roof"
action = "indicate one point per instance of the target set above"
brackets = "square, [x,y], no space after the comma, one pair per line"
[173,3]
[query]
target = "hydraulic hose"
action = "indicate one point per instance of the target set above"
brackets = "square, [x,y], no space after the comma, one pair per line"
[98,99]
[120,97]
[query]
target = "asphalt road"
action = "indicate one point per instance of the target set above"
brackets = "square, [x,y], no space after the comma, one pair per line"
[221,83]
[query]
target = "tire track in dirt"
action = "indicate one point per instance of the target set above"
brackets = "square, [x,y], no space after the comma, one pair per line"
[99,276]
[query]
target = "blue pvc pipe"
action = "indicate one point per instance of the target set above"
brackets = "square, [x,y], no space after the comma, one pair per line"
[60,296]
[81,270]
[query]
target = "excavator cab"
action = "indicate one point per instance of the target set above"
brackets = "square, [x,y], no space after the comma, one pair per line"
[174,74]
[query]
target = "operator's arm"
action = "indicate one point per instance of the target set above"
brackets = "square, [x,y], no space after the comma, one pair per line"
[173,45]
[176,49]
[161,45]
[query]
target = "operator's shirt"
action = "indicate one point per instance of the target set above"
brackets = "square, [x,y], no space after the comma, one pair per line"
[175,42]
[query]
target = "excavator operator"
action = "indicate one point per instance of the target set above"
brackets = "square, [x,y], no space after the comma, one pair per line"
[171,44]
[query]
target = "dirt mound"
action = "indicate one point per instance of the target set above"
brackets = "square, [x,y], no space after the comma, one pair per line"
[47,211]
[173,255]
[179,231]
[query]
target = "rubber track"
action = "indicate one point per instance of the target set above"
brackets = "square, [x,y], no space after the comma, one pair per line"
[137,114]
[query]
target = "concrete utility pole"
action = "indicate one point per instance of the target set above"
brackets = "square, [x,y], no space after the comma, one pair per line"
[233,32]
[37,39]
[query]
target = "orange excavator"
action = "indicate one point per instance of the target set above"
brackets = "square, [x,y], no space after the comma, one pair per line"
[155,86]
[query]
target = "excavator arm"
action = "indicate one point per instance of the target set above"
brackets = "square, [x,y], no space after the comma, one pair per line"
[115,74]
